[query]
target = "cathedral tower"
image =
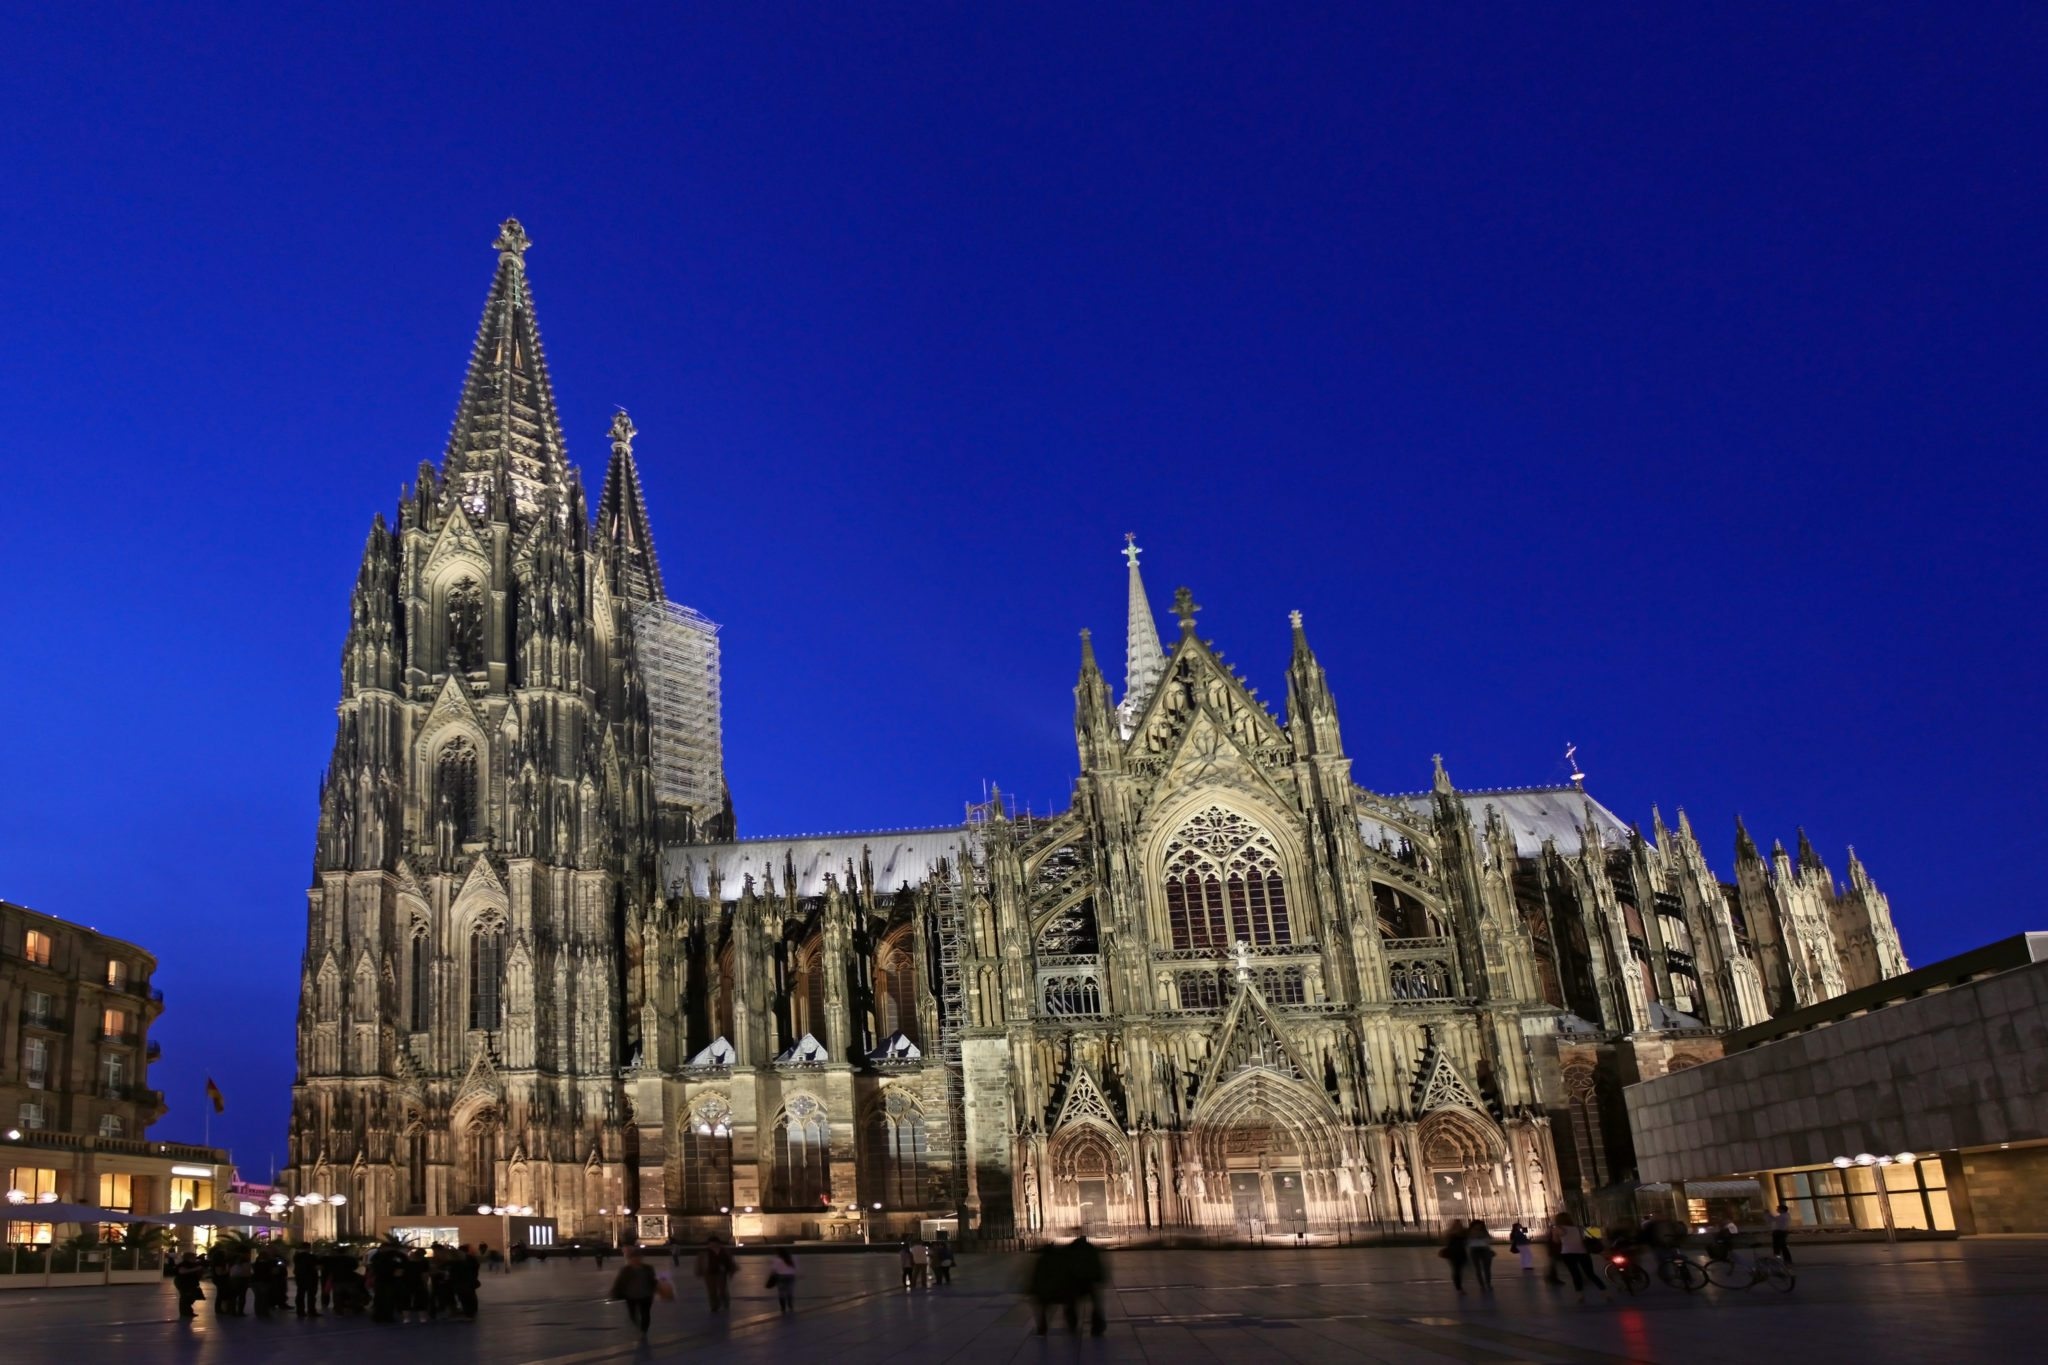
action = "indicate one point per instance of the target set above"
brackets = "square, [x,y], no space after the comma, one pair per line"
[486,842]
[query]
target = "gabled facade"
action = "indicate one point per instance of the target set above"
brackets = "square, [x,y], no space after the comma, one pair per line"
[1228,990]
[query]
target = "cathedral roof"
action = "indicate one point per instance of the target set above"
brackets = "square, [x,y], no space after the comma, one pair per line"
[900,857]
[1535,814]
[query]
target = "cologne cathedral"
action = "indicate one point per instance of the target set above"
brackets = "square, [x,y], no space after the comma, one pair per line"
[1227,993]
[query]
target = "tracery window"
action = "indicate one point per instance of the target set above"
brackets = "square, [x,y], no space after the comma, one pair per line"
[800,1176]
[465,627]
[894,1152]
[455,787]
[1223,884]
[896,988]
[707,1156]
[807,996]
[486,977]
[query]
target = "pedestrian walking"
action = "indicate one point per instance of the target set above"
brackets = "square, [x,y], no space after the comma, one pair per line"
[1781,1233]
[942,1260]
[1090,1270]
[715,1266]
[635,1284]
[921,1264]
[1453,1250]
[1571,1249]
[191,1271]
[1525,1251]
[782,1279]
[465,1275]
[1479,1253]
[240,1276]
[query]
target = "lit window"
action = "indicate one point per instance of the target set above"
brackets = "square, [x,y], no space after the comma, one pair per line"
[114,1023]
[110,1125]
[35,1063]
[117,974]
[36,947]
[117,1191]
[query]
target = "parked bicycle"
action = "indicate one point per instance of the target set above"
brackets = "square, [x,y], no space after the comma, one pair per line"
[1675,1270]
[1736,1271]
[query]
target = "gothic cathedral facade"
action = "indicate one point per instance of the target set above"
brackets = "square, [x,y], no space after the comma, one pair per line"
[1227,992]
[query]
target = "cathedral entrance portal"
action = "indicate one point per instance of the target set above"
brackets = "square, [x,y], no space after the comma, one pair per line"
[1276,1155]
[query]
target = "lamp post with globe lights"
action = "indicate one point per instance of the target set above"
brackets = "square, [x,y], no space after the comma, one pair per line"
[1876,1165]
[309,1206]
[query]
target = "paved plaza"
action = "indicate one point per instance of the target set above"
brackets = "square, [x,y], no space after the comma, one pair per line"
[1943,1301]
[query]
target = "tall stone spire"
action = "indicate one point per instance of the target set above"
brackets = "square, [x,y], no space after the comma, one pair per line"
[1144,660]
[622,529]
[507,441]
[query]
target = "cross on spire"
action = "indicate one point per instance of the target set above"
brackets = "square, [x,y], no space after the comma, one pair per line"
[1131,550]
[512,239]
[623,432]
[1185,607]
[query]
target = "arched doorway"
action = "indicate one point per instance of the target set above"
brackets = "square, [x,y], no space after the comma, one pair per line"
[1269,1154]
[1461,1158]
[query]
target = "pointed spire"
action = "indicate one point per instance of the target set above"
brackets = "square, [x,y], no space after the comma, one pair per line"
[1807,857]
[1745,847]
[622,527]
[1440,781]
[1311,713]
[1144,660]
[507,440]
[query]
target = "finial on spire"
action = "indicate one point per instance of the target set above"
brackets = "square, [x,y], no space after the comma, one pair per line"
[623,432]
[1294,619]
[1131,550]
[1440,780]
[1185,607]
[512,239]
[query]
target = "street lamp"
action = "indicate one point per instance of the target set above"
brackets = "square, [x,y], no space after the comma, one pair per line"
[1876,1166]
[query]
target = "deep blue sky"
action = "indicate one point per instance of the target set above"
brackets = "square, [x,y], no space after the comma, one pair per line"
[1670,383]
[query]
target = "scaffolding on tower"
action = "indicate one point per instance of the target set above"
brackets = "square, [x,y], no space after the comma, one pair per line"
[677,650]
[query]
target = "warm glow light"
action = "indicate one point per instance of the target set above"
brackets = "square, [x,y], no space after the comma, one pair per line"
[625,1213]
[196,1172]
[337,1199]
[485,1208]
[1906,1158]
[17,1196]
[14,1134]
[1844,1162]
[316,1199]
[47,1198]
[1865,1159]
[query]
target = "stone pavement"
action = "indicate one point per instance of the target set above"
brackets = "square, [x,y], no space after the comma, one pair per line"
[1942,1301]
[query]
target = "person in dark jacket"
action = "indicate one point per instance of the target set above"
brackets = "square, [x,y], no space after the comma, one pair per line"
[190,1272]
[306,1282]
[464,1274]
[634,1285]
[1453,1250]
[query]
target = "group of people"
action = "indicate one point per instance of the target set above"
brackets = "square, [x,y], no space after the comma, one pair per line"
[1064,1273]
[926,1263]
[1573,1246]
[638,1284]
[398,1284]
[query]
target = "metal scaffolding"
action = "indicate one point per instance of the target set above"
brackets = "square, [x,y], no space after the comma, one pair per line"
[677,650]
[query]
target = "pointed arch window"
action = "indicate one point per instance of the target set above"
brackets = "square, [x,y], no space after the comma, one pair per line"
[455,787]
[707,1157]
[800,1175]
[465,627]
[896,988]
[421,966]
[894,1154]
[1223,883]
[487,977]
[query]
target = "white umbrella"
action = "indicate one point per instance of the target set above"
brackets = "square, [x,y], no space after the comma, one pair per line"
[215,1218]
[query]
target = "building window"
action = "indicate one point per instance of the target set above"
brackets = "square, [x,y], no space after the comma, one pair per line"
[117,974]
[896,988]
[486,976]
[1223,884]
[38,1008]
[117,1191]
[707,1157]
[801,1175]
[465,627]
[35,946]
[32,1182]
[422,985]
[114,1023]
[189,1193]
[35,1063]
[895,1152]
[30,1115]
[113,1075]
[1831,1198]
[110,1126]
[455,788]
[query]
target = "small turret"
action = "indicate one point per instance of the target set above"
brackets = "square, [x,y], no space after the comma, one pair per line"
[1311,712]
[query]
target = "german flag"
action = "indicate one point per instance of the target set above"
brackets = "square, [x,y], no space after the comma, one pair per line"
[220,1103]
